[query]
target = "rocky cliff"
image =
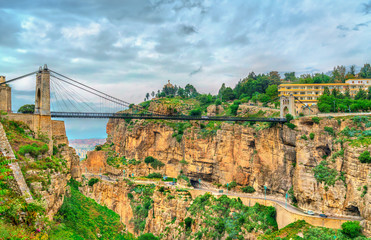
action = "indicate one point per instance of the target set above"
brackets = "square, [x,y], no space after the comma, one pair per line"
[317,162]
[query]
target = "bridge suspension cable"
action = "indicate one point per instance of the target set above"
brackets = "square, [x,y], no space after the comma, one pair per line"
[17,78]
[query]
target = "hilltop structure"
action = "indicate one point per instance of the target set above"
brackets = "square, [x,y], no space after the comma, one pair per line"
[309,93]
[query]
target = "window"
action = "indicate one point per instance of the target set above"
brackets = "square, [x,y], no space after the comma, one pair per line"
[302,93]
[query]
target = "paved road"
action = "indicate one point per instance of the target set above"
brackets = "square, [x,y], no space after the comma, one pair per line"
[235,194]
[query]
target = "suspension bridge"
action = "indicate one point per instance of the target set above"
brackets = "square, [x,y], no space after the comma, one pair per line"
[59,96]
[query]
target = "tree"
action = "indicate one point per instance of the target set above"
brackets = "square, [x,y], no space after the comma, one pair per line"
[365,71]
[326,91]
[369,93]
[28,108]
[352,70]
[347,92]
[274,77]
[338,74]
[147,96]
[148,236]
[153,93]
[228,94]
[190,91]
[290,76]
[334,92]
[351,228]
[272,91]
[180,92]
[361,94]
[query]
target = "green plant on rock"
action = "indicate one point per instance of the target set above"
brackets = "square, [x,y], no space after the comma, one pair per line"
[311,136]
[365,157]
[248,189]
[330,131]
[93,181]
[323,173]
[304,137]
[351,229]
[316,120]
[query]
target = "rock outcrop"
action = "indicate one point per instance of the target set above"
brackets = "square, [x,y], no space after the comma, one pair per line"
[277,157]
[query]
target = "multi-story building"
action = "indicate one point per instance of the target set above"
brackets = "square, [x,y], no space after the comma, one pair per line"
[309,93]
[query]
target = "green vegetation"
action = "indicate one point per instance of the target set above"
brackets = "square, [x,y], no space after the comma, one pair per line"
[93,181]
[365,157]
[230,185]
[34,150]
[154,175]
[323,173]
[141,203]
[330,131]
[311,136]
[83,218]
[156,164]
[316,120]
[351,229]
[229,216]
[28,108]
[248,189]
[304,137]
[365,188]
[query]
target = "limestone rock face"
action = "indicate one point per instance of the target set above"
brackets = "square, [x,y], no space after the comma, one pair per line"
[276,157]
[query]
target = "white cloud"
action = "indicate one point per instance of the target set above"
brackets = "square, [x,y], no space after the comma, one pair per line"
[79,32]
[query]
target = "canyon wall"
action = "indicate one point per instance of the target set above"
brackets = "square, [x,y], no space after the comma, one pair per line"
[277,157]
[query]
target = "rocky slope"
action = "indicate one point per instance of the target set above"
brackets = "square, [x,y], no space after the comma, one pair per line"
[283,159]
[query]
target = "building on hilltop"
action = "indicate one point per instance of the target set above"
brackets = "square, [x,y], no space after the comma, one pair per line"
[309,93]
[169,85]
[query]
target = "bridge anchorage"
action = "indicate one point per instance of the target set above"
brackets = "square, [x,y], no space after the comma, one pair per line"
[58,96]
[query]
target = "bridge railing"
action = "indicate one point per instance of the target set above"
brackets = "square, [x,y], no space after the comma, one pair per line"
[158,116]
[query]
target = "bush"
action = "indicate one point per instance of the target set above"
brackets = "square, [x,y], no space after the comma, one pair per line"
[34,150]
[351,228]
[290,125]
[93,181]
[304,137]
[148,236]
[330,130]
[98,148]
[188,223]
[365,157]
[149,159]
[323,173]
[231,185]
[315,120]
[311,136]
[289,117]
[154,175]
[195,112]
[248,189]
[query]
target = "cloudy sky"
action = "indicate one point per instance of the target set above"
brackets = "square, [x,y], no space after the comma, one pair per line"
[130,47]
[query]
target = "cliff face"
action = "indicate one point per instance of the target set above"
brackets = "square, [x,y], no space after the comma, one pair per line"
[276,157]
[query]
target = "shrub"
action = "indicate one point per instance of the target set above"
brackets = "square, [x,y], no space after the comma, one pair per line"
[311,136]
[304,137]
[93,181]
[195,112]
[351,228]
[365,157]
[34,150]
[291,125]
[330,130]
[148,236]
[289,117]
[323,173]
[188,223]
[149,159]
[154,175]
[315,120]
[301,114]
[231,185]
[98,148]
[130,196]
[248,189]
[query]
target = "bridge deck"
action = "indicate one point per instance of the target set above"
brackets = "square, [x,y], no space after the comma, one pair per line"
[168,117]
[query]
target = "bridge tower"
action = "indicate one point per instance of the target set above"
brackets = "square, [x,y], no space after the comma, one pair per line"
[42,97]
[287,105]
[5,96]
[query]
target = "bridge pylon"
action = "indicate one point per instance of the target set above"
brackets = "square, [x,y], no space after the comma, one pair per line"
[42,94]
[287,105]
